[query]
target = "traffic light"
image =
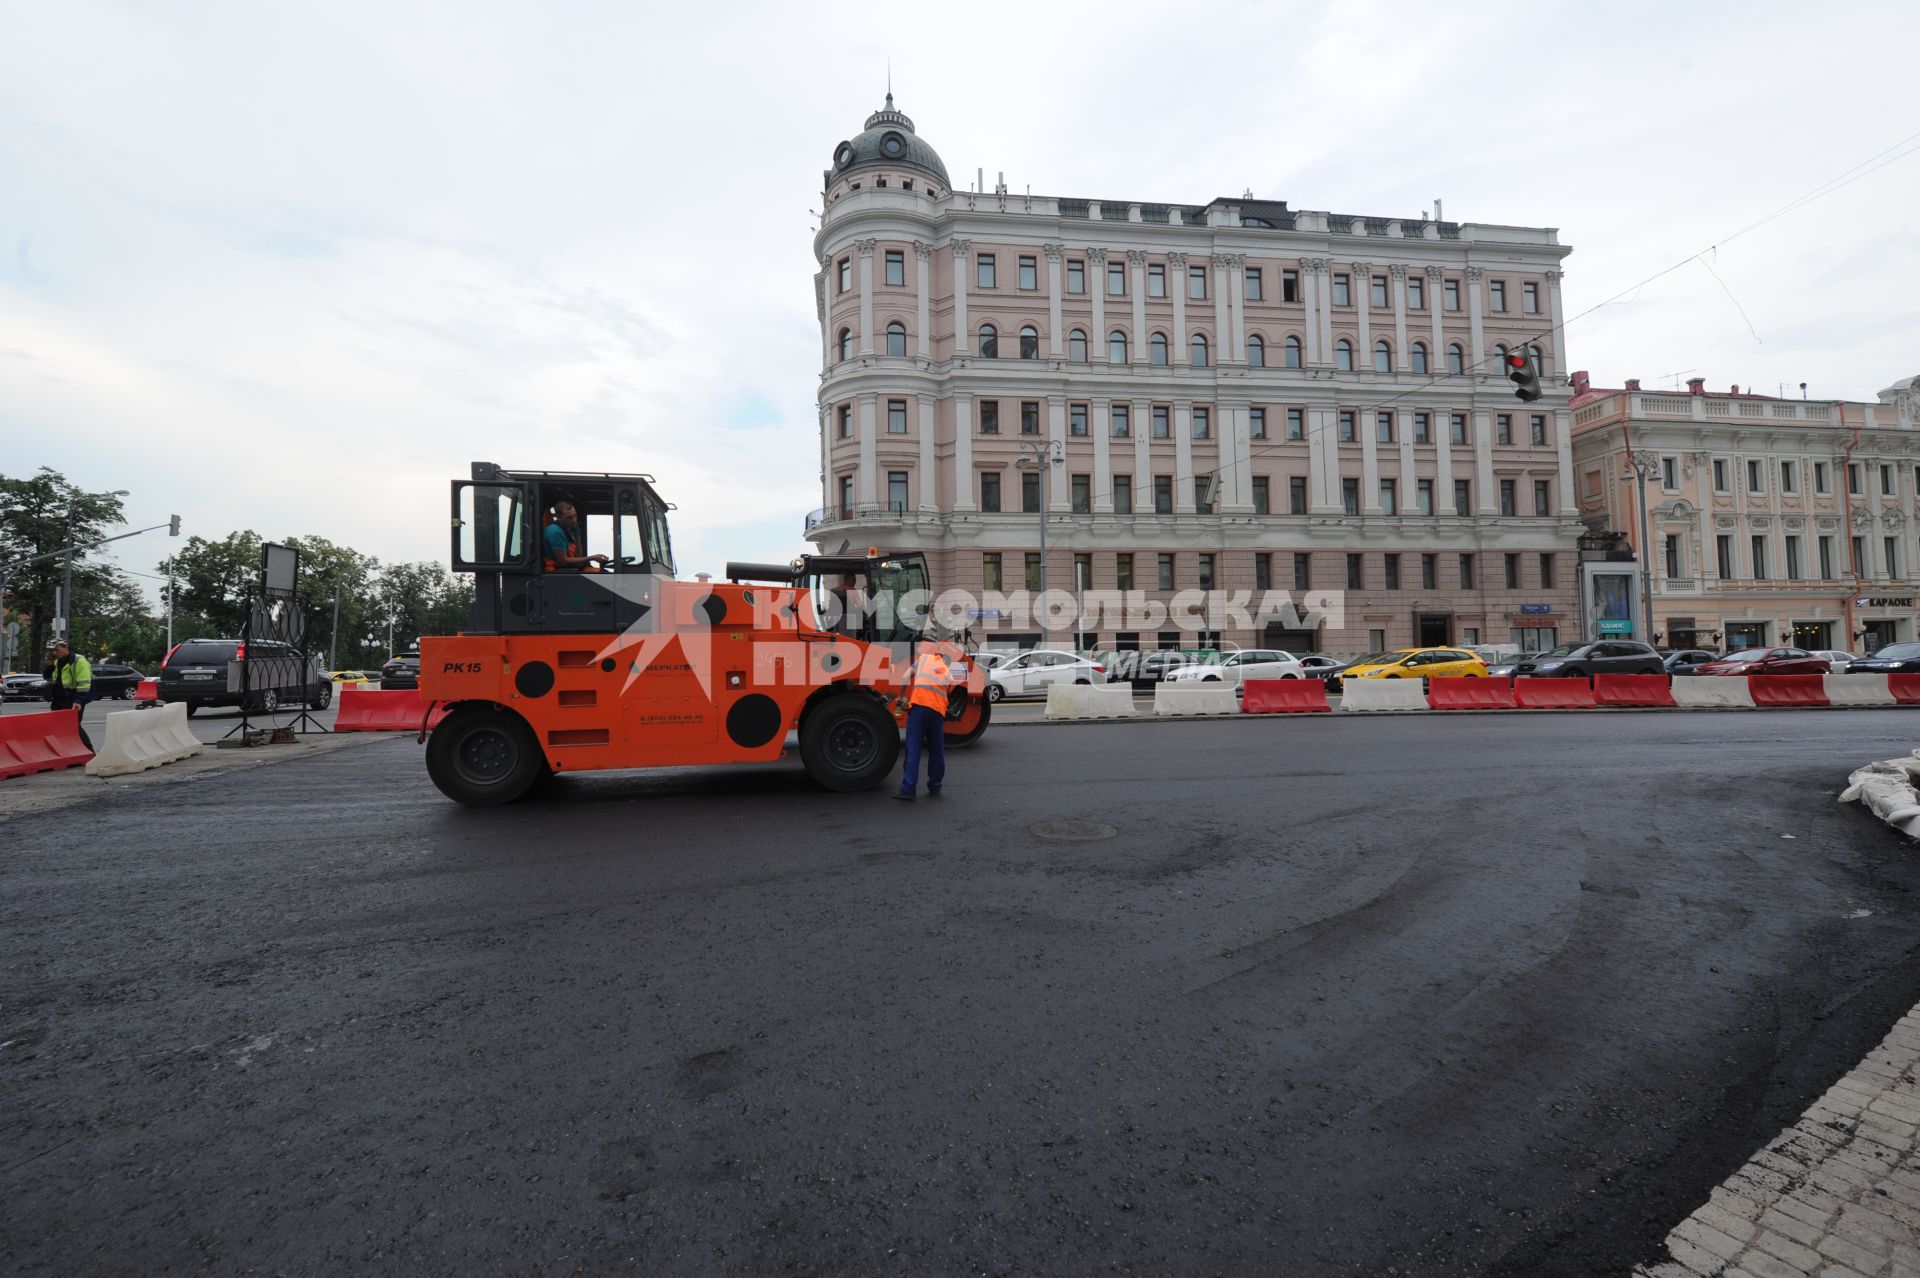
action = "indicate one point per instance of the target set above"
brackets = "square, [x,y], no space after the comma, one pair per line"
[173,526]
[1524,374]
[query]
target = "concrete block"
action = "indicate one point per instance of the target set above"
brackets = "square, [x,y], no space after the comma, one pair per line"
[1858,690]
[135,741]
[1382,694]
[1184,698]
[1090,701]
[1714,691]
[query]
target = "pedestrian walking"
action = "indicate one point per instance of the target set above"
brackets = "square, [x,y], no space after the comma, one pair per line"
[926,697]
[69,679]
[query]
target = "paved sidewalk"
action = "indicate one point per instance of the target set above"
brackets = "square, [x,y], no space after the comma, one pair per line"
[1837,1195]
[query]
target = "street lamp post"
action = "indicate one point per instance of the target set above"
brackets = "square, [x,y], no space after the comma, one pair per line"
[1641,466]
[1041,452]
[65,619]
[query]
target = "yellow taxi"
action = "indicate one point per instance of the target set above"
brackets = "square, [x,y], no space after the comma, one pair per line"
[355,677]
[1418,663]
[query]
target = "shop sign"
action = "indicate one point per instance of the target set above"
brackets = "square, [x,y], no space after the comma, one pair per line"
[1885,601]
[1533,623]
[1532,608]
[1610,626]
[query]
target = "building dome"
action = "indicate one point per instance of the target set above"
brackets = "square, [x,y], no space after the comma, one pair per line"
[888,140]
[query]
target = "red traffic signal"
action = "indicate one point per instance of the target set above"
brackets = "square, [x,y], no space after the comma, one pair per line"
[1524,374]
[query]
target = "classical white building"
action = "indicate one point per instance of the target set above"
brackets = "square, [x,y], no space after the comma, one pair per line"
[1235,396]
[1772,520]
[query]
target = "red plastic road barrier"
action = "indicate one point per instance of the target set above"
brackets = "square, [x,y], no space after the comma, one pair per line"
[1552,694]
[44,742]
[1788,690]
[1905,688]
[147,690]
[1469,694]
[1284,696]
[370,710]
[1633,690]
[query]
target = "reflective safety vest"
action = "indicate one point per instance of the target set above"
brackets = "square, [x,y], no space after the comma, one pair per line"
[931,679]
[75,674]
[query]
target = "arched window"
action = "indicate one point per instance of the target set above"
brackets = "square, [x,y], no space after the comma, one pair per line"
[1029,342]
[1456,358]
[1256,351]
[1293,352]
[896,338]
[1419,357]
[1537,364]
[1157,350]
[989,342]
[1343,355]
[1077,346]
[1383,356]
[1197,350]
[846,343]
[1116,347]
[1500,355]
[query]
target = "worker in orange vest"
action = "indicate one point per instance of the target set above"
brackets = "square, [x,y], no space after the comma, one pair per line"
[926,697]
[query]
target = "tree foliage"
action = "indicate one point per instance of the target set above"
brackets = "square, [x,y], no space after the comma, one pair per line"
[41,515]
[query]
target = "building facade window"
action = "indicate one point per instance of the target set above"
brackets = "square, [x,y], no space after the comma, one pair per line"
[1256,351]
[1263,570]
[846,496]
[1793,558]
[1419,354]
[983,273]
[990,571]
[1383,427]
[1029,342]
[1497,295]
[1347,435]
[844,271]
[1342,290]
[989,417]
[1669,474]
[1356,572]
[1466,572]
[1202,423]
[1120,420]
[1720,475]
[1389,497]
[1423,496]
[1379,294]
[1457,428]
[1077,346]
[1157,349]
[1759,549]
[1416,293]
[1723,557]
[1429,572]
[1542,500]
[1164,571]
[1423,428]
[990,492]
[896,491]
[845,344]
[1197,283]
[1390,571]
[1254,285]
[989,342]
[1116,347]
[1029,417]
[1546,571]
[1082,494]
[1029,273]
[896,338]
[1291,347]
[1116,279]
[1123,494]
[1383,356]
[896,417]
[1513,571]
[1296,423]
[1156,279]
[1537,429]
[1163,494]
[1463,496]
[1530,298]
[1206,571]
[1030,493]
[1297,495]
[1123,571]
[1033,570]
[1261,501]
[1289,286]
[1350,495]
[1756,480]
[1162,426]
[1450,291]
[1342,355]
[1077,420]
[845,418]
[1197,350]
[1787,478]
[1456,358]
[1509,503]
[1302,570]
[896,268]
[1076,276]
[1503,428]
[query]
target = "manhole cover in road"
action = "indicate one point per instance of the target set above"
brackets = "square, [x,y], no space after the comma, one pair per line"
[1073,831]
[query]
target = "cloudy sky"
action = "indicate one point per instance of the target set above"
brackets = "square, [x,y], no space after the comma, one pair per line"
[291,266]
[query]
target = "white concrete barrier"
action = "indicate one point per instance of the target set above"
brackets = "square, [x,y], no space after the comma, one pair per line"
[135,742]
[1090,701]
[1383,694]
[1718,691]
[1195,697]
[1858,690]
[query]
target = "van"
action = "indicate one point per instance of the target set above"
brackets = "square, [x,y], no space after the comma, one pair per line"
[207,672]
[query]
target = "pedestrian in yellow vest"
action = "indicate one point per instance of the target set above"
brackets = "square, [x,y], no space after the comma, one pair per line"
[69,683]
[926,698]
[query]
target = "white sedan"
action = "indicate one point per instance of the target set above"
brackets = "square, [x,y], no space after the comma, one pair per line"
[1031,673]
[1238,667]
[1837,662]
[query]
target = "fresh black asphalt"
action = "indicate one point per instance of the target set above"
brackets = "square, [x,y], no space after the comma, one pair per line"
[1423,996]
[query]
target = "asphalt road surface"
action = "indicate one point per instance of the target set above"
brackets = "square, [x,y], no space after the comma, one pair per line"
[1421,996]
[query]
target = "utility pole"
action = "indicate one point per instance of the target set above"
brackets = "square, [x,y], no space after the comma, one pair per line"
[333,635]
[63,621]
[169,603]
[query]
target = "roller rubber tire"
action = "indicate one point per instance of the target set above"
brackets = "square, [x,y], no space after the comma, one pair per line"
[483,756]
[848,743]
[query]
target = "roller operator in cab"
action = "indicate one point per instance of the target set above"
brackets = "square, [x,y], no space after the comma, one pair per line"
[565,544]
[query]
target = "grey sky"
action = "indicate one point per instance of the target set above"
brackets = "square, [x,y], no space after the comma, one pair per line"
[293,266]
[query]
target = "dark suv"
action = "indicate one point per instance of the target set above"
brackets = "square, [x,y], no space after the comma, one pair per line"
[1584,660]
[111,679]
[401,673]
[203,672]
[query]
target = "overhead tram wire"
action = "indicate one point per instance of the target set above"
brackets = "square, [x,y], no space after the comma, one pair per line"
[1841,180]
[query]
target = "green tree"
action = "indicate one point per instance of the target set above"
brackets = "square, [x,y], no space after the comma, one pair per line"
[324,568]
[43,514]
[213,583]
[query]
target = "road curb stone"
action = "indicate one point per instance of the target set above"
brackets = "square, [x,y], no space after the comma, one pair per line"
[1837,1193]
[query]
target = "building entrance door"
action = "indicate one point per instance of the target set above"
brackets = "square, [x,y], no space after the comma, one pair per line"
[1435,630]
[1746,634]
[1879,635]
[1302,641]
[1813,634]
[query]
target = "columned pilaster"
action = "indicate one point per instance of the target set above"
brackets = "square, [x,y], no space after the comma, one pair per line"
[1097,294]
[1183,458]
[1236,460]
[1137,284]
[964,485]
[929,474]
[1177,285]
[1442,462]
[1323,462]
[1363,307]
[825,285]
[1402,358]
[1486,500]
[1142,456]
[1056,337]
[1311,272]
[1436,301]
[1057,447]
[962,340]
[866,483]
[866,296]
[1563,446]
[1222,322]
[1550,361]
[1236,339]
[923,316]
[1365,423]
[1100,427]
[1476,353]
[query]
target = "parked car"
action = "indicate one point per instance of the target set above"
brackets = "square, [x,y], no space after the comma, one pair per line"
[1686,661]
[25,687]
[1143,669]
[1753,661]
[1238,667]
[1417,663]
[111,679]
[401,672]
[1495,655]
[200,673]
[1584,660]
[1895,658]
[1031,673]
[988,658]
[1318,665]
[1837,662]
[354,677]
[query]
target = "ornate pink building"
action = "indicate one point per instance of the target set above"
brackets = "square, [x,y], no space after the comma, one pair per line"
[1772,521]
[1235,396]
